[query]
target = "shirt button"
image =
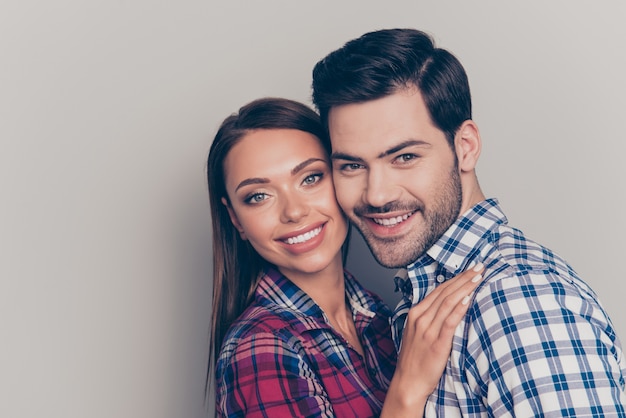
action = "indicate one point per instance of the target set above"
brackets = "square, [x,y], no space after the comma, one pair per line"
[441,279]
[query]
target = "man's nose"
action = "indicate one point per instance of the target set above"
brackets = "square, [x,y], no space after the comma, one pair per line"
[380,188]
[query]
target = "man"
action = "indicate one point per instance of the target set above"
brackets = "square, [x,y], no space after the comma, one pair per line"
[536,341]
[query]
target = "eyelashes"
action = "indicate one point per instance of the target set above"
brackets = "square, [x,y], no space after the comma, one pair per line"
[258,197]
[255,198]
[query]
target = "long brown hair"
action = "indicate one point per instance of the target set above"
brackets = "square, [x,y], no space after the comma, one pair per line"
[236,265]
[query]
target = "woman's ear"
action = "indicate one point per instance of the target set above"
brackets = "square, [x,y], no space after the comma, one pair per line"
[468,145]
[233,219]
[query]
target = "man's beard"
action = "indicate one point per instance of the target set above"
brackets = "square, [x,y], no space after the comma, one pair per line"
[395,252]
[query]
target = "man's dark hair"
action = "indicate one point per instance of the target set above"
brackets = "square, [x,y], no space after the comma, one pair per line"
[383,62]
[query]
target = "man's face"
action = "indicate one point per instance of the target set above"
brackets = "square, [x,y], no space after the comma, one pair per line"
[395,175]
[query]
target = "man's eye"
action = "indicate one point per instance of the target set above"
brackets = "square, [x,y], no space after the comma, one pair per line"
[351,167]
[407,157]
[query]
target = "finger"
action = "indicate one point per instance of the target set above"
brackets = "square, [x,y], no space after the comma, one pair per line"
[451,321]
[449,306]
[444,309]
[453,284]
[445,289]
[453,309]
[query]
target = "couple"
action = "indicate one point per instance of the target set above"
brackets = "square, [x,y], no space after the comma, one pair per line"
[490,323]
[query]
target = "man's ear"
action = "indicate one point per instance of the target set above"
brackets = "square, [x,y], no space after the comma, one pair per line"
[233,219]
[468,145]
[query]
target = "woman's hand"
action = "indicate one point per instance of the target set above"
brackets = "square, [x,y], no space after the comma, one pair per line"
[427,342]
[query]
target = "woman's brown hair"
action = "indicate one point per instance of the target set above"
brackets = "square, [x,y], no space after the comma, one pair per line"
[236,265]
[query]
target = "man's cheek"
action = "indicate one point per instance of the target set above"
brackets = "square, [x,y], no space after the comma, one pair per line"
[346,195]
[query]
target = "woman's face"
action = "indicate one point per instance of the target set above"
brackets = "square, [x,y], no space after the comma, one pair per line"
[282,200]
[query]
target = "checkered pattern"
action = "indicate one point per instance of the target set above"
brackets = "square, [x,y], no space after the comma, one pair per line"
[535,342]
[283,359]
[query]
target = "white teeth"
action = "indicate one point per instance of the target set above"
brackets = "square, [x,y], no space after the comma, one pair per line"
[304,237]
[392,221]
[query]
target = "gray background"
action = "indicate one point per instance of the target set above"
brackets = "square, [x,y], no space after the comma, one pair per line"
[107,110]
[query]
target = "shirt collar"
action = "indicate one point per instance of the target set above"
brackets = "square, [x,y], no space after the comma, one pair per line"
[277,290]
[454,250]
[460,241]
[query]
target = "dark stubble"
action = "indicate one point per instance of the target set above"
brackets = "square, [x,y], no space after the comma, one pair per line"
[396,252]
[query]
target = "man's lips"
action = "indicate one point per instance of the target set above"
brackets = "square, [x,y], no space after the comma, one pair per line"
[390,221]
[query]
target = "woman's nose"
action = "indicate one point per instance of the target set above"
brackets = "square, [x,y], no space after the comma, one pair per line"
[294,209]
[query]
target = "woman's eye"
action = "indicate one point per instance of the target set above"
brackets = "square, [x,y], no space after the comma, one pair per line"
[256,198]
[313,178]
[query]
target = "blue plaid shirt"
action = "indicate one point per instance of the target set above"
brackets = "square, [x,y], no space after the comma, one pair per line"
[535,341]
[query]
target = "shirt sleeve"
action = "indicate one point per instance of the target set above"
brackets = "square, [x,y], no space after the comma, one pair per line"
[267,376]
[539,346]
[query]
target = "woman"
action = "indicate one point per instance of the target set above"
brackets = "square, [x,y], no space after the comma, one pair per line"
[293,334]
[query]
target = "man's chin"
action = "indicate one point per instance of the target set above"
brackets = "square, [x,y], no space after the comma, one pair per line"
[390,253]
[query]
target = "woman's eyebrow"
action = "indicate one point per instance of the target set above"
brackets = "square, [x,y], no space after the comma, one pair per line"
[264,180]
[304,164]
[253,180]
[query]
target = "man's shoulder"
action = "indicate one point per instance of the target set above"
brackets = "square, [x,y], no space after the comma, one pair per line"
[528,286]
[512,253]
[524,276]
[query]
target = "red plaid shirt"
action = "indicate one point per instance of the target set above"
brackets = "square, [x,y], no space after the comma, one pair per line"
[282,358]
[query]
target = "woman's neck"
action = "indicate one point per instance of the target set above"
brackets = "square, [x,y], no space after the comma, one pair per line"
[327,288]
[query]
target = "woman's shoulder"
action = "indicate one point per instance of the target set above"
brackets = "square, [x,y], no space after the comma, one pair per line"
[255,320]
[257,332]
[270,323]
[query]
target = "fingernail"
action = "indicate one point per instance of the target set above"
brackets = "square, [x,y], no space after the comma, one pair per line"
[472,264]
[477,278]
[465,300]
[478,267]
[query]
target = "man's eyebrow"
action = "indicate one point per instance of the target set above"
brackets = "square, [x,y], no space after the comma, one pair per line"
[401,146]
[344,156]
[392,150]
